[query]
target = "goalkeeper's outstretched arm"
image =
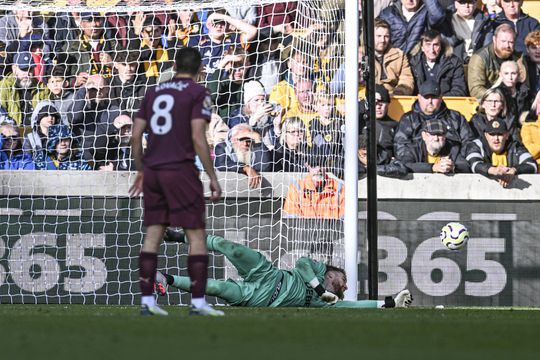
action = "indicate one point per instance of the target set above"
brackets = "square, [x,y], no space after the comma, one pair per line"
[313,272]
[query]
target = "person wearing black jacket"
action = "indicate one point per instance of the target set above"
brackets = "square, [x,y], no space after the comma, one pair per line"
[497,156]
[435,154]
[432,59]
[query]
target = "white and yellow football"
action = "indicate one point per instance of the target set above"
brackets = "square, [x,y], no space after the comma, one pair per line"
[454,235]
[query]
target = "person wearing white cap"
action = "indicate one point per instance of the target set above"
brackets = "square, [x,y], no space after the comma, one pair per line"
[257,112]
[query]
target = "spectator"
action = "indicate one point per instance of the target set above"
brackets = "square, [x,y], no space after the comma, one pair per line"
[386,166]
[408,19]
[227,82]
[127,87]
[385,126]
[283,93]
[61,151]
[157,55]
[516,93]
[484,65]
[433,60]
[434,154]
[303,90]
[491,8]
[113,150]
[93,114]
[220,38]
[38,47]
[530,130]
[266,59]
[392,69]
[19,91]
[187,25]
[256,112]
[89,54]
[531,61]
[327,51]
[60,94]
[12,156]
[245,154]
[327,127]
[45,114]
[19,24]
[430,106]
[217,132]
[293,148]
[497,156]
[522,23]
[316,195]
[467,28]
[492,107]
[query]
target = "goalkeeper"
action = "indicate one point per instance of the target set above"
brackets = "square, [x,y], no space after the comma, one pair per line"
[309,284]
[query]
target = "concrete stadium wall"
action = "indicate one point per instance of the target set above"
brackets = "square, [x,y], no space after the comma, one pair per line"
[86,233]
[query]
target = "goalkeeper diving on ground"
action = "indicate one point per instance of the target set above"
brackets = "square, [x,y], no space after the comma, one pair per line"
[308,284]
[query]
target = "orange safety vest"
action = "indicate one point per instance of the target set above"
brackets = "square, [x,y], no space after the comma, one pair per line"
[304,201]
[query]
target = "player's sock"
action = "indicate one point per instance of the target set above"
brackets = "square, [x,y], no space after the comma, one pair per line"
[148,300]
[147,272]
[198,272]
[198,302]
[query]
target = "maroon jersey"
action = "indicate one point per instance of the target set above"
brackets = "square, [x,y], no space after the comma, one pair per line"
[168,110]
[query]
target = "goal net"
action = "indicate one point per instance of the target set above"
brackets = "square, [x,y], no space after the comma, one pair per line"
[73,75]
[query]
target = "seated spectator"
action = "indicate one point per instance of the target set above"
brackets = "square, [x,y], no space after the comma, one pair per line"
[492,107]
[484,65]
[187,25]
[303,90]
[127,87]
[385,125]
[516,93]
[522,23]
[531,61]
[316,195]
[432,59]
[12,156]
[467,28]
[44,115]
[227,82]
[497,156]
[328,52]
[217,132]
[60,94]
[19,91]
[112,149]
[326,127]
[245,154]
[34,43]
[434,154]
[409,19]
[386,166]
[89,53]
[220,38]
[283,93]
[530,130]
[18,24]
[256,112]
[430,106]
[157,56]
[61,151]
[392,69]
[292,150]
[266,59]
[93,114]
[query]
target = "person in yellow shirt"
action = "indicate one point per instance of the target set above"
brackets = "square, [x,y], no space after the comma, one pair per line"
[284,92]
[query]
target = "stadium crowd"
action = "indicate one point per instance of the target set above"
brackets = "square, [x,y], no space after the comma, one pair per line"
[71,84]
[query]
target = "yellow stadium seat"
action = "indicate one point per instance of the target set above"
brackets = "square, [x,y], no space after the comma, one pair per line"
[401,104]
[532,8]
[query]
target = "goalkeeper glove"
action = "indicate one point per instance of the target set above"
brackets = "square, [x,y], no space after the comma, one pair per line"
[329,297]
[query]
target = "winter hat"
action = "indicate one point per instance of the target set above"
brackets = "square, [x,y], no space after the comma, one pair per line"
[251,89]
[48,110]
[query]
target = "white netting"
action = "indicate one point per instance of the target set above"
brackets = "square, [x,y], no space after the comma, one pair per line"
[75,236]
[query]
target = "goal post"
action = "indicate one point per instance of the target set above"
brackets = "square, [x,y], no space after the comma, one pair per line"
[73,235]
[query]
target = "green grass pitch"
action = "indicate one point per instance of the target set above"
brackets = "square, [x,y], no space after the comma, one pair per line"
[118,332]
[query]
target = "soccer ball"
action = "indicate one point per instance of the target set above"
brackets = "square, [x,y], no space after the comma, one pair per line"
[454,235]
